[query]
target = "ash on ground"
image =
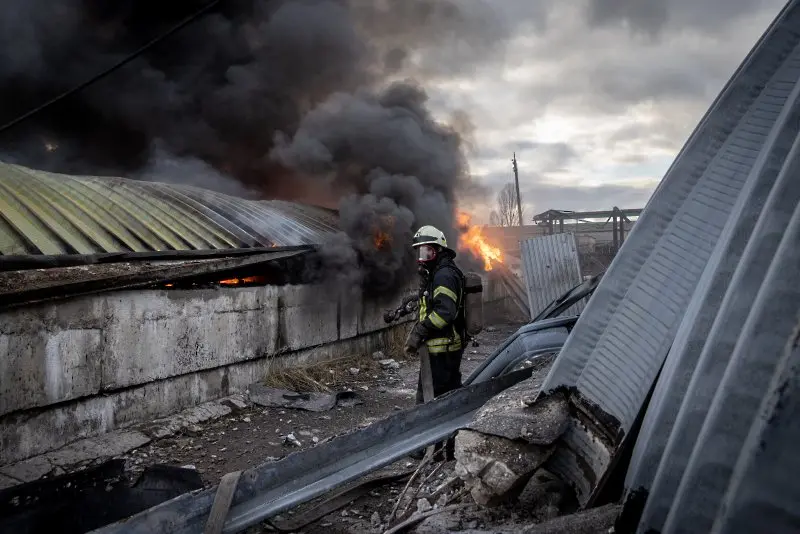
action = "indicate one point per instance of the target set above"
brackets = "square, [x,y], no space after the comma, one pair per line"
[252,435]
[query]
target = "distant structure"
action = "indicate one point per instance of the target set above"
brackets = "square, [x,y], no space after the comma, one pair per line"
[600,234]
[619,218]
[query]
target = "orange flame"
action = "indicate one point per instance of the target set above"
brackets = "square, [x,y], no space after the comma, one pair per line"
[245,280]
[380,236]
[381,239]
[473,240]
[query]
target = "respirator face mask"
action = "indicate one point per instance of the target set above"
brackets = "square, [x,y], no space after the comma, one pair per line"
[426,254]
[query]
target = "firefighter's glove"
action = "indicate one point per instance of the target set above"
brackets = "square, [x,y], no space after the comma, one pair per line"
[414,340]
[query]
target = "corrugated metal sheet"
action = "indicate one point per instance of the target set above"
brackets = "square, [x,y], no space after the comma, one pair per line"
[622,338]
[757,348]
[716,316]
[49,213]
[513,287]
[34,286]
[765,490]
[746,343]
[551,267]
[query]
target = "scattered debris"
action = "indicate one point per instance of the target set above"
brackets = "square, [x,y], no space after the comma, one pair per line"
[544,495]
[187,419]
[290,439]
[378,355]
[389,364]
[423,506]
[310,401]
[417,518]
[354,371]
[509,439]
[494,467]
[592,521]
[236,403]
[194,438]
[192,430]
[510,416]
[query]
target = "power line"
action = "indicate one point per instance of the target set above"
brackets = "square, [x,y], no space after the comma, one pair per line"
[185,22]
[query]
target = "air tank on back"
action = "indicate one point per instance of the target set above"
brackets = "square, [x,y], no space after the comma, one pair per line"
[473,303]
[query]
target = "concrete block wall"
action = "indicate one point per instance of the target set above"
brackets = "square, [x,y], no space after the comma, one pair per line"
[85,366]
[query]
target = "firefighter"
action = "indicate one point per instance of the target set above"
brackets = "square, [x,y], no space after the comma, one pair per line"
[441,326]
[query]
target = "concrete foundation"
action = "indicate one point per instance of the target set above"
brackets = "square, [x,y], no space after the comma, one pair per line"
[80,368]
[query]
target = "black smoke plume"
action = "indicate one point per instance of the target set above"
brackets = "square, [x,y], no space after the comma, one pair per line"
[302,100]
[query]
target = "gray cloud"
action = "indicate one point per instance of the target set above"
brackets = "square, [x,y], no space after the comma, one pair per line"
[543,157]
[539,194]
[613,81]
[433,39]
[667,135]
[548,157]
[604,56]
[542,197]
[215,98]
[657,17]
[646,16]
[642,72]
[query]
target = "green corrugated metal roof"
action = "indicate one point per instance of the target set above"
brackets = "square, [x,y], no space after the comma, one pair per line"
[49,213]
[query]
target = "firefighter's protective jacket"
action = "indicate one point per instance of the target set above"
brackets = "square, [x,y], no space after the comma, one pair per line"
[440,308]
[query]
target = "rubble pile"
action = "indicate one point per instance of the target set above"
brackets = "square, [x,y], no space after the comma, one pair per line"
[496,468]
[496,483]
[509,440]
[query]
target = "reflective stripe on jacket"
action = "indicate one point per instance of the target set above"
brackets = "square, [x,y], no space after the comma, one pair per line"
[438,309]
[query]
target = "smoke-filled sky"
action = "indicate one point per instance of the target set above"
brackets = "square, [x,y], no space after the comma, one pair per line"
[597,96]
[393,111]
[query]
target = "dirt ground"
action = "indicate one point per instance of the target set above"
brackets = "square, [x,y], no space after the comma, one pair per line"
[254,435]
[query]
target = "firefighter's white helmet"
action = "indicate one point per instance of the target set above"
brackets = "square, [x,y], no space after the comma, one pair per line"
[429,235]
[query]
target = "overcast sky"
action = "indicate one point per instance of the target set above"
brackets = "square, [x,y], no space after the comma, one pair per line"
[595,96]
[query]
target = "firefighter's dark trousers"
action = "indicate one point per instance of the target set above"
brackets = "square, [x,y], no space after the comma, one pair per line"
[446,374]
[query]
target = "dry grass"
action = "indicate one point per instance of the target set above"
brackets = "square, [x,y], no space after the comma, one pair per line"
[324,375]
[319,376]
[295,379]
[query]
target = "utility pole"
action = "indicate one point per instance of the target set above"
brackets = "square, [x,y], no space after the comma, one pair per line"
[516,181]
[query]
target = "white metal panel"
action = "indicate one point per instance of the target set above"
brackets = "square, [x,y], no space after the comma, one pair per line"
[705,342]
[620,342]
[551,268]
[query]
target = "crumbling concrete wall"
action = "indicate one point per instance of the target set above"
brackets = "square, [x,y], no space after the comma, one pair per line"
[85,366]
[510,438]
